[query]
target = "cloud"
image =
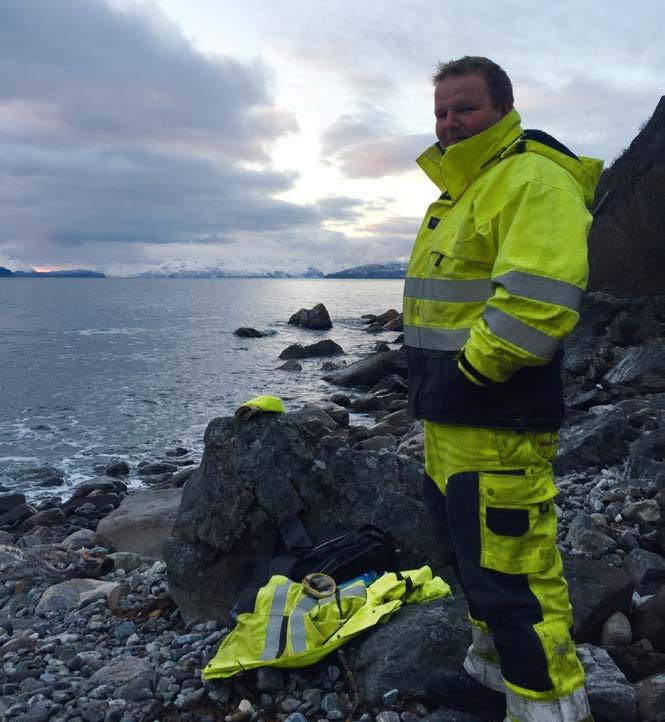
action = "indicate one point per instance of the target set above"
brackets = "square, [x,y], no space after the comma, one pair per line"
[114,129]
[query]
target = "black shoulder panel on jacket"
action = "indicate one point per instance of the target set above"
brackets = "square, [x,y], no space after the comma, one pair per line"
[540,136]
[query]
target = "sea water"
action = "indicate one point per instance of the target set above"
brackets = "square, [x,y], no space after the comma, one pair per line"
[93,370]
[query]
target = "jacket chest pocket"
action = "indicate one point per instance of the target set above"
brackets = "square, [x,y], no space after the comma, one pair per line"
[461,247]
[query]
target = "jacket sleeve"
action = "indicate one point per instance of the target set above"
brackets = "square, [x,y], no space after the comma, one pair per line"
[538,280]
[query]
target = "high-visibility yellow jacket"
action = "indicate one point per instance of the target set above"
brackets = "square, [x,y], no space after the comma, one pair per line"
[496,278]
[289,628]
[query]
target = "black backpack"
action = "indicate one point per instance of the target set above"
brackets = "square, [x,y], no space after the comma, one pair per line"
[344,557]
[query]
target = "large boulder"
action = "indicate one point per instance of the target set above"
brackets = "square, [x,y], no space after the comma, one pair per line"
[142,523]
[255,473]
[370,370]
[611,697]
[427,668]
[629,217]
[316,318]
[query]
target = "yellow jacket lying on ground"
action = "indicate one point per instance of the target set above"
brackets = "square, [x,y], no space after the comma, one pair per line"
[289,628]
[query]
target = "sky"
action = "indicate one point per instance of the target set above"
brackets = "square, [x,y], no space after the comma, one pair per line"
[267,136]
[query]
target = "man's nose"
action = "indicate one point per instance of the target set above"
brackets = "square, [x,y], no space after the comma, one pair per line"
[451,119]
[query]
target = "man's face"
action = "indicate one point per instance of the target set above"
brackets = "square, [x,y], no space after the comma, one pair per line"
[463,108]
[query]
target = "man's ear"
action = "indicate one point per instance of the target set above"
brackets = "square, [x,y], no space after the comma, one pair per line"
[506,107]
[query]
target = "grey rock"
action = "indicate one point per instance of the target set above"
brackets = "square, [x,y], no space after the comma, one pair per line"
[126,561]
[616,631]
[387,716]
[106,484]
[179,478]
[290,704]
[17,514]
[142,522]
[376,443]
[651,444]
[587,537]
[611,696]
[326,347]
[390,697]
[125,669]
[314,318]
[73,593]
[81,538]
[295,717]
[38,712]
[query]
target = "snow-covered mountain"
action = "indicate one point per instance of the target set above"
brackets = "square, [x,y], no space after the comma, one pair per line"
[394,269]
[13,264]
[181,268]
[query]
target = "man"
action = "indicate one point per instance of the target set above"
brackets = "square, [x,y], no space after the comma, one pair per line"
[493,287]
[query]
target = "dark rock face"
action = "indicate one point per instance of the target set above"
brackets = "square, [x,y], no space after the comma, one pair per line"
[629,221]
[315,318]
[597,590]
[643,368]
[327,347]
[595,437]
[370,370]
[254,473]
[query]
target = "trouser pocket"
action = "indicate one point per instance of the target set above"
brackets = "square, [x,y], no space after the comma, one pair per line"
[517,522]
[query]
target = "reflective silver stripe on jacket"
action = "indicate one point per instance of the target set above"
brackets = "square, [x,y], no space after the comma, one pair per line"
[277,608]
[541,289]
[297,629]
[526,337]
[475,290]
[435,339]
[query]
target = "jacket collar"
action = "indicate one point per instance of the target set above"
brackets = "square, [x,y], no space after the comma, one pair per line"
[454,168]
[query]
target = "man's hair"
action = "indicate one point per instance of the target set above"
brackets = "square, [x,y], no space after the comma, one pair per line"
[498,83]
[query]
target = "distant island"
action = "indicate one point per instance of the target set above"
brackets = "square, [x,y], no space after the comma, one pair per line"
[395,269]
[73,273]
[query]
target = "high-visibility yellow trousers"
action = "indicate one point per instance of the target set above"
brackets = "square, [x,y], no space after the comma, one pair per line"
[490,493]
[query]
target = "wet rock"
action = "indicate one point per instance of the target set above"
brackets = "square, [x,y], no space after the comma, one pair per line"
[340,399]
[36,473]
[117,468]
[370,370]
[290,366]
[248,332]
[50,517]
[326,347]
[180,477]
[597,590]
[106,484]
[597,434]
[17,515]
[142,522]
[10,501]
[157,468]
[314,318]
[586,536]
[616,631]
[611,696]
[376,443]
